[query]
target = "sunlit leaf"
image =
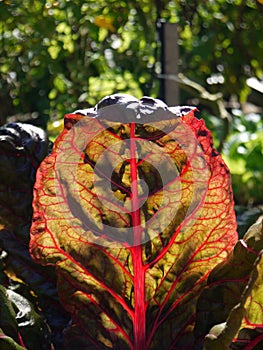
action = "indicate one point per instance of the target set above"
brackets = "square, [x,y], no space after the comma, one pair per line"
[232,301]
[104,22]
[134,207]
[20,324]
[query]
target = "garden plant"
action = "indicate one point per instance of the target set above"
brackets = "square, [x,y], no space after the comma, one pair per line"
[125,223]
[133,235]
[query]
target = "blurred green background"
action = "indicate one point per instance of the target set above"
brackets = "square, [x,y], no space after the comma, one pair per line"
[57,56]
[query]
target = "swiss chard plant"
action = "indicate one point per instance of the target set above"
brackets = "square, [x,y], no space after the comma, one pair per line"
[133,221]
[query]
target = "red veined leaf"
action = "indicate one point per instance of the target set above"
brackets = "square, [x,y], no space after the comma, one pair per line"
[134,207]
[232,301]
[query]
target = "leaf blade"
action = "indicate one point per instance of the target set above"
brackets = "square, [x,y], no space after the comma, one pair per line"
[91,205]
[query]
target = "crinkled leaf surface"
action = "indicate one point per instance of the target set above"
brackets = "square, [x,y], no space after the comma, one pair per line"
[134,207]
[41,280]
[232,302]
[22,148]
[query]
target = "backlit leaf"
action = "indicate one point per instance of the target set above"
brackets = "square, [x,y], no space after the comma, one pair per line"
[232,301]
[134,207]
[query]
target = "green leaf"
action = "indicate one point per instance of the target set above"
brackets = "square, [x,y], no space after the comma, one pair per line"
[7,343]
[31,325]
[8,320]
[232,300]
[20,323]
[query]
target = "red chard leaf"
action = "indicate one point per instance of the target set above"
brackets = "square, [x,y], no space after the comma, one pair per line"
[134,207]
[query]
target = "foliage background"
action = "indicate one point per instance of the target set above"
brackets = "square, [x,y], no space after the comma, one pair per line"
[56,56]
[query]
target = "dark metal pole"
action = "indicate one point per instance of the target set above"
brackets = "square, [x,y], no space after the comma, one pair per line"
[169,55]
